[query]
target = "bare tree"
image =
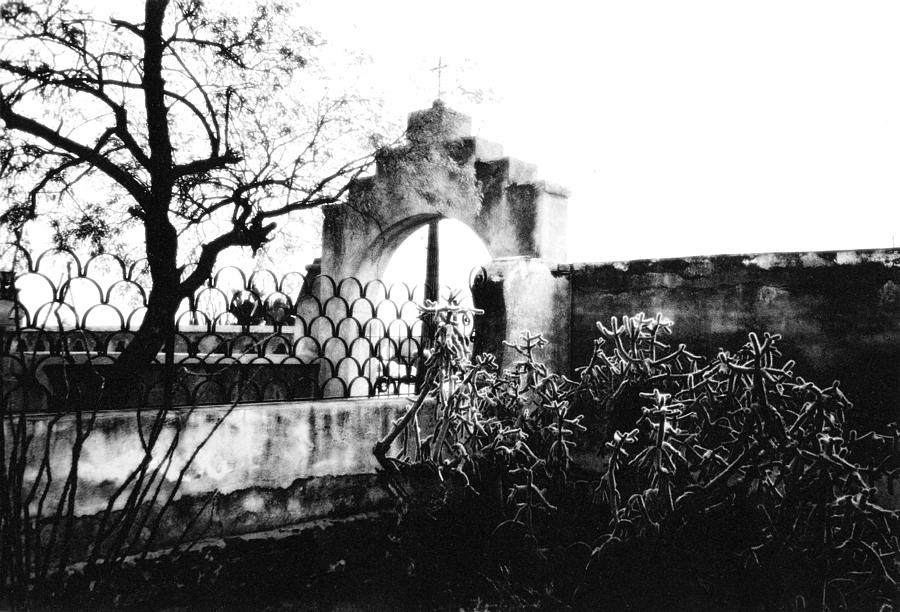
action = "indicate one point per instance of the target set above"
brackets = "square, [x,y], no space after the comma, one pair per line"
[185,118]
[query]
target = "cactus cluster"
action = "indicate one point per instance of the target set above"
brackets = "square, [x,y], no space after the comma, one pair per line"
[734,469]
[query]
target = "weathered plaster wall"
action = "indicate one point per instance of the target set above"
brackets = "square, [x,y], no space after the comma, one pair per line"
[518,294]
[443,171]
[257,447]
[839,312]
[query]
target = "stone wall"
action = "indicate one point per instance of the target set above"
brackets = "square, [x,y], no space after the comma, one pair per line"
[839,312]
[521,294]
[271,465]
[442,171]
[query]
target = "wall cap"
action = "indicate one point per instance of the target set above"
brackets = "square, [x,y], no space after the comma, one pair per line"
[889,258]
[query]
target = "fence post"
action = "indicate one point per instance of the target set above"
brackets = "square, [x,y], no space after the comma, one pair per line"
[432,292]
[9,310]
[168,374]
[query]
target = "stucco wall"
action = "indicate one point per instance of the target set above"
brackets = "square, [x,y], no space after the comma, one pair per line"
[443,172]
[519,294]
[257,445]
[839,312]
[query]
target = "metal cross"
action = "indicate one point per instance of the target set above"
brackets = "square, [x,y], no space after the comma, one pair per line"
[439,68]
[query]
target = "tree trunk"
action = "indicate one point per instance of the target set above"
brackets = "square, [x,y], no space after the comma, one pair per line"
[160,237]
[158,325]
[162,304]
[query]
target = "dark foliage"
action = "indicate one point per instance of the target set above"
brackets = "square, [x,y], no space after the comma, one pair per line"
[731,483]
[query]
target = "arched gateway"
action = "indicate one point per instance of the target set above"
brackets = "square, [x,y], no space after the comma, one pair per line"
[443,171]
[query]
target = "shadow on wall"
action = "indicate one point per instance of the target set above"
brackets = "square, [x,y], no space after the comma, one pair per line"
[263,445]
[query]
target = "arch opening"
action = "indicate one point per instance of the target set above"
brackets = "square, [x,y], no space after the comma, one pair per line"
[460,250]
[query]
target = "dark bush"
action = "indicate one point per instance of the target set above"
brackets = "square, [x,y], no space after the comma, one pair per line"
[730,482]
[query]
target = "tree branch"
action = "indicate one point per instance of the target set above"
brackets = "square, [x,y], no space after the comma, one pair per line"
[126,25]
[86,84]
[253,236]
[154,96]
[207,164]
[347,172]
[15,121]
[213,123]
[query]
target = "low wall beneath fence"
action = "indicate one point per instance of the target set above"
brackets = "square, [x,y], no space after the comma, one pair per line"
[271,465]
[839,312]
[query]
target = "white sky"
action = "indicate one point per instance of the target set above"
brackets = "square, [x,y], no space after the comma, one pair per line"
[461,253]
[681,127]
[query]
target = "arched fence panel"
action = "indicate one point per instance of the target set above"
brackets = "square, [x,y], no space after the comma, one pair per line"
[248,334]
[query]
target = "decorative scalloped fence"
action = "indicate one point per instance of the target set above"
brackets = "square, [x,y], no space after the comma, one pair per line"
[245,336]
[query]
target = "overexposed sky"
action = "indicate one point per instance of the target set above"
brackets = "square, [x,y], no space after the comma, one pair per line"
[681,128]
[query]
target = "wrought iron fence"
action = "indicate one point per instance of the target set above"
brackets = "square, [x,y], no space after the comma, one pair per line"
[244,336]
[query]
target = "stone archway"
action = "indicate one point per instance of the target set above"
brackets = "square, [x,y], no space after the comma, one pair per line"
[378,253]
[443,172]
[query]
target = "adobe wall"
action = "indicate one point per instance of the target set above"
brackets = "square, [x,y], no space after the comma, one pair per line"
[271,465]
[839,312]
[442,171]
[522,294]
